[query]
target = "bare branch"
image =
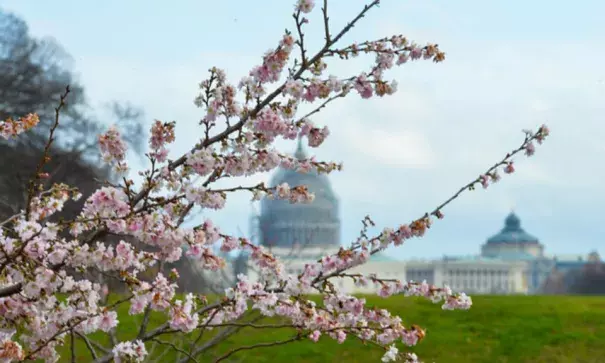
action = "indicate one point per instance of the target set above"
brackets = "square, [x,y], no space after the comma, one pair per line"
[259,345]
[324,11]
[45,156]
[173,346]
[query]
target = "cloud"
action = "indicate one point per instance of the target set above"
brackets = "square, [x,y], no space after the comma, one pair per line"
[392,148]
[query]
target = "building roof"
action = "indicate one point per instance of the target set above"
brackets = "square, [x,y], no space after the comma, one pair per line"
[316,183]
[312,224]
[512,232]
[515,256]
[381,257]
[472,259]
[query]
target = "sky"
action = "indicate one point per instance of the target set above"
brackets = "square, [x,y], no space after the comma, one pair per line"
[510,65]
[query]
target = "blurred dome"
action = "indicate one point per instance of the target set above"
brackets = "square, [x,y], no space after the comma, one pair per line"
[315,224]
[512,232]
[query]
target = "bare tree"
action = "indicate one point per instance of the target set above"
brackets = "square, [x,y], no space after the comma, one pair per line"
[33,75]
[591,279]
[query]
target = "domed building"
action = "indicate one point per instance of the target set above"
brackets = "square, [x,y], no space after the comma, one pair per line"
[283,226]
[512,242]
[304,232]
[511,262]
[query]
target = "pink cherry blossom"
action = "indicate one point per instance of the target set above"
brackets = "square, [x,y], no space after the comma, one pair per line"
[113,148]
[129,352]
[10,128]
[305,6]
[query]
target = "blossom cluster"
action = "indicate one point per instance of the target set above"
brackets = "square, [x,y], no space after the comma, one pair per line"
[492,176]
[43,257]
[10,128]
[161,135]
[113,149]
[129,352]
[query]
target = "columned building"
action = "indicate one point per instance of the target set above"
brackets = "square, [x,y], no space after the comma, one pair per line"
[511,262]
[473,275]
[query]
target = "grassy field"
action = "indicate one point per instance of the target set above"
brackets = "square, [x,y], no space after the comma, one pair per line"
[496,329]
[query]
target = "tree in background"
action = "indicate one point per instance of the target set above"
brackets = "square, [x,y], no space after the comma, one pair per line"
[44,306]
[591,279]
[33,75]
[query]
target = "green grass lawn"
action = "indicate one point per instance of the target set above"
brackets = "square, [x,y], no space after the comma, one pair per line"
[496,329]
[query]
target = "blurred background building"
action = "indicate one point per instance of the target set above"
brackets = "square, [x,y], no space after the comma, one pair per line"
[512,261]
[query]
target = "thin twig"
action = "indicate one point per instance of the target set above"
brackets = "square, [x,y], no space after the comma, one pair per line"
[10,219]
[45,155]
[147,313]
[259,345]
[72,343]
[224,334]
[88,343]
[324,10]
[256,326]
[173,346]
[301,37]
[324,104]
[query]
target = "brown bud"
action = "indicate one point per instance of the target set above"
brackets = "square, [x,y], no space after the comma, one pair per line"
[419,332]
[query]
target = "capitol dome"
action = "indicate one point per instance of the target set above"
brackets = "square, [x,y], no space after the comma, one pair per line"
[315,224]
[512,232]
[512,242]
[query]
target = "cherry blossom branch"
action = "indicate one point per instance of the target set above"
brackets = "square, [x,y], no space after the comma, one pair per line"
[526,146]
[491,173]
[45,155]
[236,127]
[143,193]
[147,312]
[69,327]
